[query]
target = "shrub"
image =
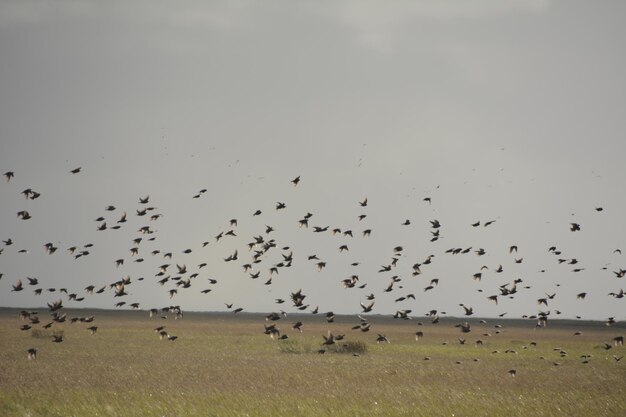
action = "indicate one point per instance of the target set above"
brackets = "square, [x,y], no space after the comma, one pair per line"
[351,347]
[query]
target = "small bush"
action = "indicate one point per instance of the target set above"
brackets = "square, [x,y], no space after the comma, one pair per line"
[351,347]
[301,347]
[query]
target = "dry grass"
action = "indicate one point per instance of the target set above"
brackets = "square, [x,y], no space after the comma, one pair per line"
[223,365]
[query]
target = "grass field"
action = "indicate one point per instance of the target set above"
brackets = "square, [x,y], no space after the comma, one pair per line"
[223,365]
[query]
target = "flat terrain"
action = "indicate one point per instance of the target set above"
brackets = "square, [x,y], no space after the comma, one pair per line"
[223,365]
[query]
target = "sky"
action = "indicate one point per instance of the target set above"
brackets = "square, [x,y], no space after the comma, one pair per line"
[510,111]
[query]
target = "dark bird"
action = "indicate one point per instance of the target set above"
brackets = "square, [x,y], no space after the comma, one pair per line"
[465,327]
[330,317]
[32,353]
[296,180]
[329,340]
[8,175]
[367,308]
[468,310]
[574,227]
[18,286]
[363,203]
[232,257]
[76,170]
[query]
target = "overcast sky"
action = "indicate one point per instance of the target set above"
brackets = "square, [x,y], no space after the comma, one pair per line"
[512,111]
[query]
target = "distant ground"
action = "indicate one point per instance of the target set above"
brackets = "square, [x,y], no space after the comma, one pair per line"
[221,364]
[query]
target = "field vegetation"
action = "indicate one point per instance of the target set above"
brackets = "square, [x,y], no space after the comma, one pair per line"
[224,365]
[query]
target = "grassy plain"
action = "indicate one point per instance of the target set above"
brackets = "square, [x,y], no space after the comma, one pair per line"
[223,365]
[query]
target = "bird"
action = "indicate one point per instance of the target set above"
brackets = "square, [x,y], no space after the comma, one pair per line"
[329,339]
[468,310]
[296,180]
[367,308]
[8,175]
[18,286]
[32,353]
[76,170]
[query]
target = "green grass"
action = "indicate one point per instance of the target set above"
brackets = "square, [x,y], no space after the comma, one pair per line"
[225,366]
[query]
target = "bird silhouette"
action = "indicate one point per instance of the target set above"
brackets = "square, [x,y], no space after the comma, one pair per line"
[32,353]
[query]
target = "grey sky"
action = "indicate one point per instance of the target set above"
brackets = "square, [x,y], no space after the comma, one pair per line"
[505,110]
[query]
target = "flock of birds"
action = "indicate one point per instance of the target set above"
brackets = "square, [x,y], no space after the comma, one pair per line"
[175,276]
